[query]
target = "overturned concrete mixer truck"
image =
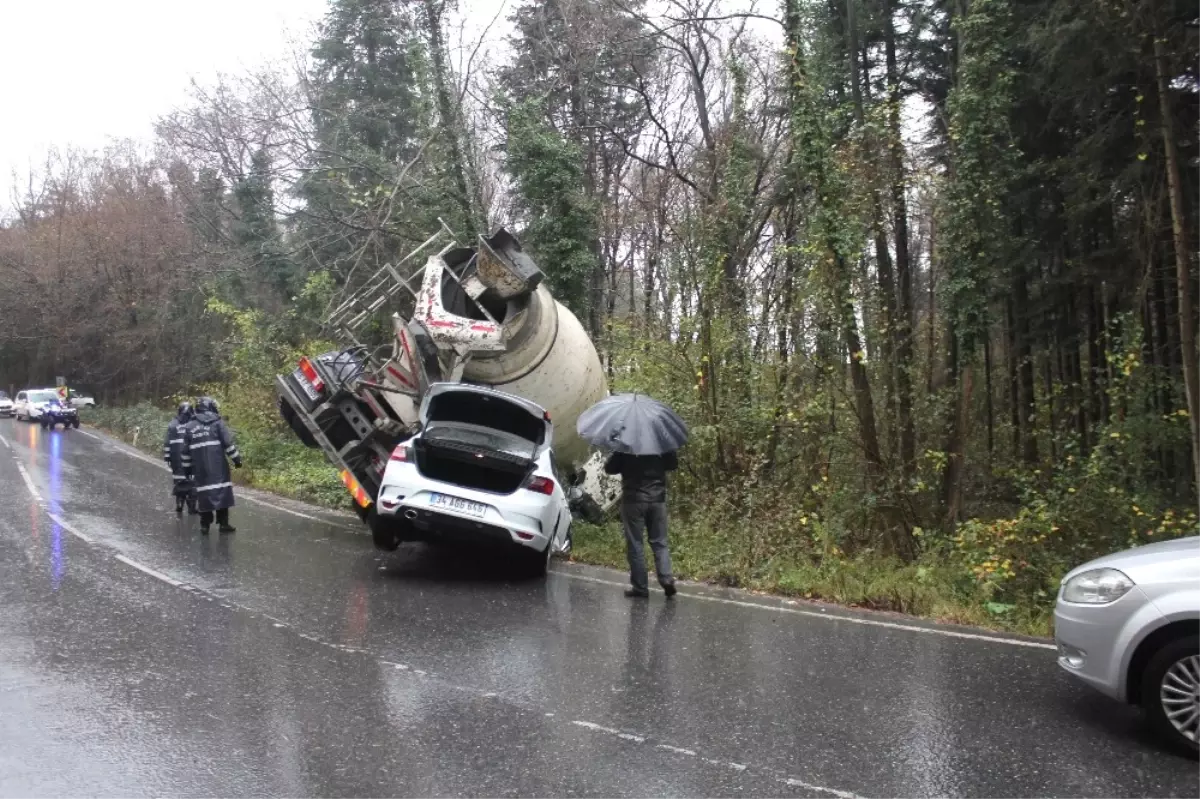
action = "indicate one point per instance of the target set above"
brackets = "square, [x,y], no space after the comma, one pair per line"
[477,315]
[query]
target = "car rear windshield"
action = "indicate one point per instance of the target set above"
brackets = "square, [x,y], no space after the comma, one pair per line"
[495,412]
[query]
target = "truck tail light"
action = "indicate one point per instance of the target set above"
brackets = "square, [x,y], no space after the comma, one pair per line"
[540,485]
[310,373]
[402,453]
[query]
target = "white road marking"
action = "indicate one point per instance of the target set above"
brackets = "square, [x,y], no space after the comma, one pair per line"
[4,441]
[64,525]
[795,783]
[253,498]
[598,728]
[679,750]
[157,575]
[891,625]
[29,483]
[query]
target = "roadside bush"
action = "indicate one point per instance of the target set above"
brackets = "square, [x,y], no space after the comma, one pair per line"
[1086,507]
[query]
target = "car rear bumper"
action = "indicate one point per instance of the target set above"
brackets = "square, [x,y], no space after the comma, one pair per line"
[497,526]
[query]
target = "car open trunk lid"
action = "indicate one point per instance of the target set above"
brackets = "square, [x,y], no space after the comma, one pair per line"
[479,438]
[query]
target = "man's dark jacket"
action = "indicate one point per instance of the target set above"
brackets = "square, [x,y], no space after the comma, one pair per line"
[207,443]
[644,477]
[173,454]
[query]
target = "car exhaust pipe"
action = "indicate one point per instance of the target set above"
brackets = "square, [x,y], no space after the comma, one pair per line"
[410,514]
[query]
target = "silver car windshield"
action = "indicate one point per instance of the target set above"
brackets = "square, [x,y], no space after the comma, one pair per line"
[41,396]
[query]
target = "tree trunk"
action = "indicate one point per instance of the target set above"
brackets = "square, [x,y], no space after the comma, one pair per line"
[902,319]
[1187,332]
[959,378]
[1014,387]
[1027,404]
[989,410]
[448,116]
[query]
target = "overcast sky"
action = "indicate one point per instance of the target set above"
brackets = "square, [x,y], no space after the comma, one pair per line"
[84,72]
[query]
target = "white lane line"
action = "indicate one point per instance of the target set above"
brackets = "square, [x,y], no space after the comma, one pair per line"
[66,526]
[792,782]
[891,625]
[638,739]
[29,483]
[253,498]
[679,750]
[157,575]
[4,441]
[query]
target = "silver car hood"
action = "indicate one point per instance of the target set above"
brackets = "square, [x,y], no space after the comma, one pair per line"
[1145,563]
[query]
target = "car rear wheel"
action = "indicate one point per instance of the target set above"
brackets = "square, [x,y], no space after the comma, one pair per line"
[385,531]
[535,564]
[1171,692]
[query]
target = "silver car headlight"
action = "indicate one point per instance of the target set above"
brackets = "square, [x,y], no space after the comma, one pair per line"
[1096,587]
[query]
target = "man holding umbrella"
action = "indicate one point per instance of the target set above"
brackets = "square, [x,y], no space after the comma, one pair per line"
[644,436]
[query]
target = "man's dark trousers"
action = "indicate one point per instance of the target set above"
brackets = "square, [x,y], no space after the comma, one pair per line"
[638,518]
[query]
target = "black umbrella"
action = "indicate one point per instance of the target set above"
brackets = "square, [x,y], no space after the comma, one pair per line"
[634,424]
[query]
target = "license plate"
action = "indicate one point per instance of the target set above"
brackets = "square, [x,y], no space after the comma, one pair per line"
[477,509]
[306,386]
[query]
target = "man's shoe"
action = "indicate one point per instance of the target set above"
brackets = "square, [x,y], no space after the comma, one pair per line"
[669,589]
[637,593]
[204,529]
[228,528]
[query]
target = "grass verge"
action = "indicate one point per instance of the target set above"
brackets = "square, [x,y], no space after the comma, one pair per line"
[930,588]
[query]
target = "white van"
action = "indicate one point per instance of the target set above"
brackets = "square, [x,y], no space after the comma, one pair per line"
[31,401]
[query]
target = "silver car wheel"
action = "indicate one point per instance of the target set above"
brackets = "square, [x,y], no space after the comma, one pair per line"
[1180,696]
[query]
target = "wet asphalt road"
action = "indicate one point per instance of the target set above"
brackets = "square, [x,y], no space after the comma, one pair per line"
[139,658]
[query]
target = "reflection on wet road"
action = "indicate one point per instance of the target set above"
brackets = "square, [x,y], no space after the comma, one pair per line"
[291,658]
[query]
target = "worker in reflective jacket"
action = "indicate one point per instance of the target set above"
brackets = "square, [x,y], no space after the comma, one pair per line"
[207,442]
[184,488]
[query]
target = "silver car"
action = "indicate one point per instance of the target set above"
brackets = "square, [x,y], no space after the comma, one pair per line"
[1128,624]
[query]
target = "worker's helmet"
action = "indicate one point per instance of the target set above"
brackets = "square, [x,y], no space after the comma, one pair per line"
[184,409]
[206,405]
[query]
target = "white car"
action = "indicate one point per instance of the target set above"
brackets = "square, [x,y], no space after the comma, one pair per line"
[480,470]
[30,403]
[1128,624]
[82,401]
[6,405]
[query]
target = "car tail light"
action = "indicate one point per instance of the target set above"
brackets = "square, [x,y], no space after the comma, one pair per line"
[541,485]
[311,373]
[402,453]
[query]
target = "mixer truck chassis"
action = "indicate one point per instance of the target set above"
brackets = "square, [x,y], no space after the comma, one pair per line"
[478,315]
